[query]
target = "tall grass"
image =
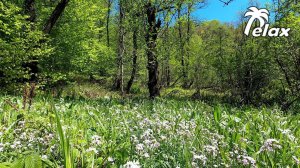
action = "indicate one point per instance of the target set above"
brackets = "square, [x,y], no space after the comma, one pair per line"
[161,133]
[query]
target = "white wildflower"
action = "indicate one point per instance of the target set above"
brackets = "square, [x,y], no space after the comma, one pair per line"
[110,159]
[132,164]
[270,145]
[44,157]
[285,131]
[236,119]
[246,160]
[139,147]
[146,155]
[96,140]
[163,137]
[211,149]
[202,158]
[296,160]
[93,150]
[21,123]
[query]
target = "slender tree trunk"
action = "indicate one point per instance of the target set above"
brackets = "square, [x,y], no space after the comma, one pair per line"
[134,60]
[32,64]
[167,72]
[119,82]
[188,42]
[181,47]
[29,6]
[107,21]
[151,38]
[165,76]
[55,16]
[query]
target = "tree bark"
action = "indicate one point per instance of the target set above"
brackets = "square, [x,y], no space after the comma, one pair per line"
[181,47]
[189,29]
[134,60]
[55,16]
[107,22]
[151,39]
[119,81]
[30,10]
[32,64]
[166,76]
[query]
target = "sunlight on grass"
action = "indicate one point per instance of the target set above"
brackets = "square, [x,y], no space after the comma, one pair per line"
[111,133]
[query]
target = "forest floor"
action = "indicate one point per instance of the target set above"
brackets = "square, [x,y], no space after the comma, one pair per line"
[107,131]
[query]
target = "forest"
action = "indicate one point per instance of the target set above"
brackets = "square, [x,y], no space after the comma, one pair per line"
[146,83]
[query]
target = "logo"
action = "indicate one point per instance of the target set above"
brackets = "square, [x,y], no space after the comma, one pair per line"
[262,16]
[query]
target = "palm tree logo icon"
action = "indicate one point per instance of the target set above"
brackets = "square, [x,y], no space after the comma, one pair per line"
[262,15]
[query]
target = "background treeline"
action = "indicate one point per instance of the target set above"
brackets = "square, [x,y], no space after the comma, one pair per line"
[131,46]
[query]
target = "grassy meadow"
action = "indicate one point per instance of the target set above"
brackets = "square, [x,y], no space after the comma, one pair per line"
[83,131]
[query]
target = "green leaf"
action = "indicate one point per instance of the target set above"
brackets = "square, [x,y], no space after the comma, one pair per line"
[33,161]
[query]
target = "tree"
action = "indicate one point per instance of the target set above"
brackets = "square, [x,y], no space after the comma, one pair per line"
[119,81]
[57,12]
[134,54]
[20,50]
[109,5]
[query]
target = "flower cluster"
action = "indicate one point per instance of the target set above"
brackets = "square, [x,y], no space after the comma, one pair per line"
[270,145]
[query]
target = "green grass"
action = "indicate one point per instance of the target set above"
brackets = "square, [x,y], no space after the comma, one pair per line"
[110,132]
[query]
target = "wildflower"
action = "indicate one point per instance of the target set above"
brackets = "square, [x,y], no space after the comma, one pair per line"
[23,135]
[110,159]
[29,145]
[285,131]
[211,149]
[270,145]
[93,150]
[155,144]
[246,160]
[163,137]
[236,119]
[21,123]
[194,165]
[147,142]
[16,145]
[134,164]
[134,138]
[139,147]
[296,160]
[44,157]
[96,140]
[146,155]
[202,158]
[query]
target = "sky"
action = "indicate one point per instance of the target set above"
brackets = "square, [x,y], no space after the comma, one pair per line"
[215,10]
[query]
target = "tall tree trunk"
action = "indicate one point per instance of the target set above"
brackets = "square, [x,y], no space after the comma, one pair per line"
[181,47]
[189,22]
[151,39]
[166,76]
[29,8]
[109,3]
[119,82]
[32,64]
[55,16]
[134,60]
[165,67]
